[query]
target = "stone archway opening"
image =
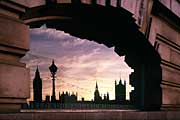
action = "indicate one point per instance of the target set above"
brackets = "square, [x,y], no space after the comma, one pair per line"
[113,27]
[81,64]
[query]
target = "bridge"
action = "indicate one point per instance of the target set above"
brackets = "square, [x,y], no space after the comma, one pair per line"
[151,48]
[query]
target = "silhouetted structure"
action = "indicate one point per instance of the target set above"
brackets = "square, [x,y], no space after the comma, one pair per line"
[47,99]
[37,87]
[53,70]
[134,97]
[106,97]
[67,98]
[97,97]
[120,92]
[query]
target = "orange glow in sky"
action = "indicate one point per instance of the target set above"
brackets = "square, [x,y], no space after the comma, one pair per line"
[80,64]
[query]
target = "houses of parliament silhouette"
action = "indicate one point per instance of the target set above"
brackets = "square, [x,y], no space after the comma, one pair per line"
[66,97]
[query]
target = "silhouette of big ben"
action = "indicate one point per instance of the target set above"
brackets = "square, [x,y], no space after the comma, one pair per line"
[37,87]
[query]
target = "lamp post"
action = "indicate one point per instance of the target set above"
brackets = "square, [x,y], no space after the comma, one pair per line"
[53,70]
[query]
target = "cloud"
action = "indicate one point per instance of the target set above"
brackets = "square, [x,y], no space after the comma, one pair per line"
[80,63]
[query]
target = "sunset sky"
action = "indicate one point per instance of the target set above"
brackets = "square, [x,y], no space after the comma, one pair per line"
[80,64]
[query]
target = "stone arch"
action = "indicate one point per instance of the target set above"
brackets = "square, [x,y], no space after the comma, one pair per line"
[113,27]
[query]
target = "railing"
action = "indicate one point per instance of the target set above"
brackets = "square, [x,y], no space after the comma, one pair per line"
[75,106]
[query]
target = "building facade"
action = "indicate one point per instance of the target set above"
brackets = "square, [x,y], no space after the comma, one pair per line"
[67,97]
[120,92]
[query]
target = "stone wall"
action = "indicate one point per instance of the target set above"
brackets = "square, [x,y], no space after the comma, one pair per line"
[166,34]
[92,115]
[14,42]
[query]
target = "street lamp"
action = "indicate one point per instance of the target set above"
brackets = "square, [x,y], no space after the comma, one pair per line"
[53,70]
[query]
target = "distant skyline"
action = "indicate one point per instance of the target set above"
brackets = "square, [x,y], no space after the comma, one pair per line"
[80,64]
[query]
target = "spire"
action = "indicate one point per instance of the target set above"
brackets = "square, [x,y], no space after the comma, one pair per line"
[97,96]
[120,82]
[107,96]
[96,85]
[124,82]
[59,95]
[37,74]
[37,86]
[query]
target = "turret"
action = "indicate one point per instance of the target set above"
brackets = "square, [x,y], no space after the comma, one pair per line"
[107,96]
